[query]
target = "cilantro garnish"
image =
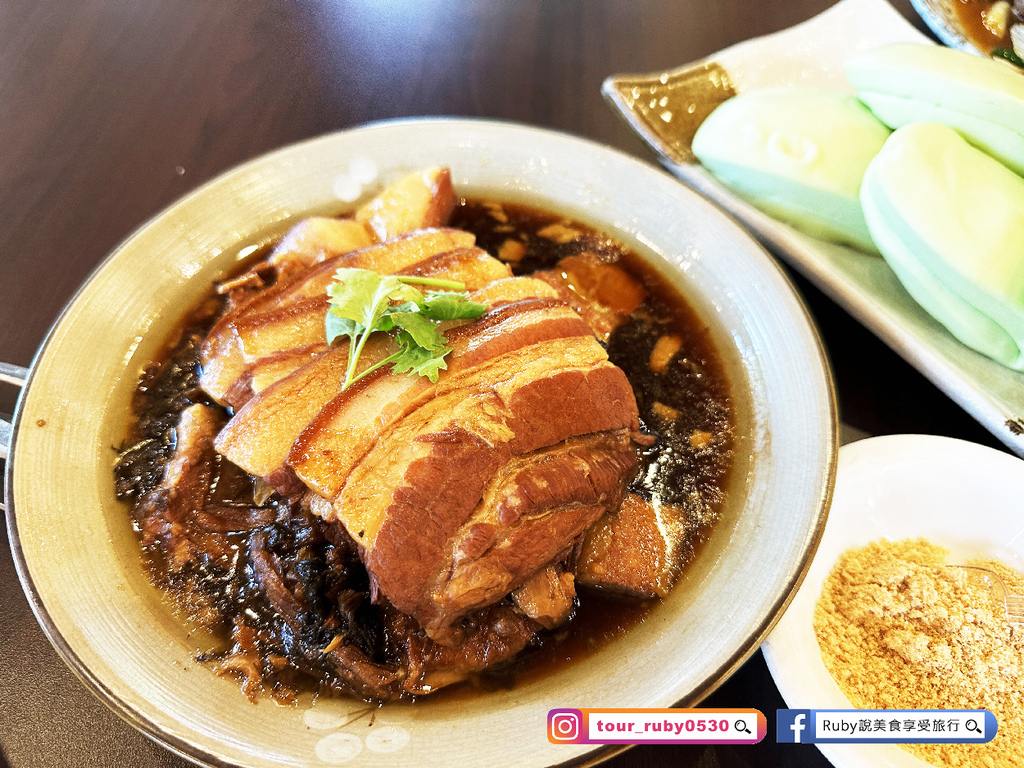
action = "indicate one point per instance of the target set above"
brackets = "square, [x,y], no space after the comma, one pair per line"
[363,302]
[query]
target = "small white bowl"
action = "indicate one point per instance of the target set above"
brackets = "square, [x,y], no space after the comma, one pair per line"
[960,495]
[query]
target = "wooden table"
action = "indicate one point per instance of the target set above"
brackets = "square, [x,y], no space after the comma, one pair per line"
[110,110]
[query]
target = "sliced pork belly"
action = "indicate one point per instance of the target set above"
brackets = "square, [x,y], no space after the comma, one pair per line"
[260,435]
[548,597]
[388,258]
[527,448]
[347,428]
[636,551]
[532,507]
[181,496]
[223,355]
[297,329]
[458,492]
[471,266]
[421,199]
[315,240]
[604,294]
[309,242]
[432,520]
[271,369]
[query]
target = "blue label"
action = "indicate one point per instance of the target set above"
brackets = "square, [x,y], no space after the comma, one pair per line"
[885,726]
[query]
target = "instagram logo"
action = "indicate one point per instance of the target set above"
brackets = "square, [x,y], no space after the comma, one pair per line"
[564,726]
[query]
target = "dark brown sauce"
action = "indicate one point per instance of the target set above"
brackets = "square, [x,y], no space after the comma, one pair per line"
[598,620]
[971,15]
[690,396]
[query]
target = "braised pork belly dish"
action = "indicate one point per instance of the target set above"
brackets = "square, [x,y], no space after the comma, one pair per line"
[412,446]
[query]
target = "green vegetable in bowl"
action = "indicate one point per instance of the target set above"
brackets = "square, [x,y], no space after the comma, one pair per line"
[1008,54]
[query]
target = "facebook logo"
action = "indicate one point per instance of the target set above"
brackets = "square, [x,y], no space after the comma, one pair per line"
[791,724]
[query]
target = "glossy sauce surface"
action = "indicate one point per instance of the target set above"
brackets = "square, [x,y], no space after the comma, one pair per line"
[972,14]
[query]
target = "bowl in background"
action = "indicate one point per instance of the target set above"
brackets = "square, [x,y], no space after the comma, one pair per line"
[78,557]
[943,21]
[957,494]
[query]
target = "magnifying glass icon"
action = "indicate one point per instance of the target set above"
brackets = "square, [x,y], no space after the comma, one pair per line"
[972,725]
[741,727]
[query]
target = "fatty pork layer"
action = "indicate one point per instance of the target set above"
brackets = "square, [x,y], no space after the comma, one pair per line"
[288,315]
[529,406]
[260,437]
[457,492]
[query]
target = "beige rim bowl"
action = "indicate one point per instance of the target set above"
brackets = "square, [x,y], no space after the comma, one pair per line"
[79,559]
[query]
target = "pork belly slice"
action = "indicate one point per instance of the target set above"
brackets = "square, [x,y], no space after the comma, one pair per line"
[418,201]
[497,345]
[602,293]
[260,436]
[473,267]
[634,551]
[421,199]
[385,258]
[300,324]
[309,242]
[223,356]
[548,597]
[181,495]
[407,501]
[315,240]
[534,509]
[183,525]
[271,369]
[268,339]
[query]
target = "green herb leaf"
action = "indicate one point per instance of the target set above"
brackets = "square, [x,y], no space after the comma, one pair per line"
[423,332]
[337,326]
[363,296]
[363,302]
[419,361]
[451,305]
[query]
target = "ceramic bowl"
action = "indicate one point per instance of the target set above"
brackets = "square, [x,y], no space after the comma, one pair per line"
[959,495]
[943,21]
[78,557]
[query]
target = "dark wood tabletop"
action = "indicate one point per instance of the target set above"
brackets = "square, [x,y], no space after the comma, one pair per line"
[110,110]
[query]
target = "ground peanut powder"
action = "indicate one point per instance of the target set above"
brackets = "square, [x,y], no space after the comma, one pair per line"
[897,630]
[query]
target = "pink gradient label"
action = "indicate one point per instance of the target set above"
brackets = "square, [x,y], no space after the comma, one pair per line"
[656,726]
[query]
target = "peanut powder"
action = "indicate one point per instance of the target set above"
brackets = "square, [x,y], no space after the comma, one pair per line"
[897,630]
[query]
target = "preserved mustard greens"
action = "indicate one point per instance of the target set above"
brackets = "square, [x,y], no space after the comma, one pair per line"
[949,220]
[982,99]
[798,154]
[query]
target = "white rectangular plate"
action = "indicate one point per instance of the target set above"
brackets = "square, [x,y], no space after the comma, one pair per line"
[812,53]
